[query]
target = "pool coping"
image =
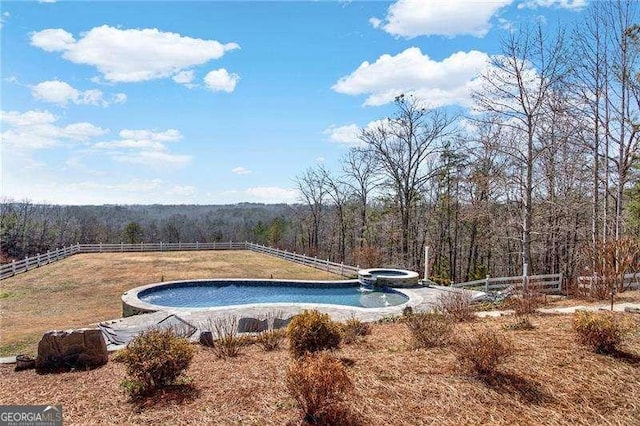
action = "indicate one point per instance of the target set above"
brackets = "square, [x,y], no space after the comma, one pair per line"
[132,305]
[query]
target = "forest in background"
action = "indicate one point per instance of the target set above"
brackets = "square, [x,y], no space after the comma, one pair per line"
[542,168]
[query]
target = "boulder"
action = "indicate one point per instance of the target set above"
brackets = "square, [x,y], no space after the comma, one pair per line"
[206,338]
[73,349]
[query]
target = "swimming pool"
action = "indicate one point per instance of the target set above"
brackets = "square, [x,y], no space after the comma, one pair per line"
[231,292]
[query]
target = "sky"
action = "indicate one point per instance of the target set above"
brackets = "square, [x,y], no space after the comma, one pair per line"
[213,102]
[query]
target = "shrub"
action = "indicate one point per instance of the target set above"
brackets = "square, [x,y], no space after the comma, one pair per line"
[312,331]
[407,311]
[429,330]
[457,305]
[483,351]
[522,322]
[228,343]
[270,340]
[602,331]
[318,382]
[353,329]
[525,304]
[154,360]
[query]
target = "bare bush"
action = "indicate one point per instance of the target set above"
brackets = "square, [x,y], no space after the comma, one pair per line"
[607,264]
[429,330]
[227,342]
[319,383]
[270,340]
[353,330]
[483,351]
[602,331]
[457,305]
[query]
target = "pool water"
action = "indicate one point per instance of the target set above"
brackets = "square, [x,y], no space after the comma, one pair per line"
[217,293]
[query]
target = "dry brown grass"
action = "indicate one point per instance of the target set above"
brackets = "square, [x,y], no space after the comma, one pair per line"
[551,379]
[86,288]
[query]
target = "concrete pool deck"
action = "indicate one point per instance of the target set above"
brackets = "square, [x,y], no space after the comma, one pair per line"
[420,299]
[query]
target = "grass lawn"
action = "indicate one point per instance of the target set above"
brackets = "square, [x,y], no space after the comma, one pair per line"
[85,289]
[551,379]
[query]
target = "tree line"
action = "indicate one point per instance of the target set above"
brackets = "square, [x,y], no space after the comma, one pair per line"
[543,166]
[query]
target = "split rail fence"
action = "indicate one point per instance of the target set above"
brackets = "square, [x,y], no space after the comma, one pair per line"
[549,283]
[24,265]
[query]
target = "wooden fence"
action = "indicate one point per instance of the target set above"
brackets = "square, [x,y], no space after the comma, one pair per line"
[17,267]
[631,281]
[549,283]
[325,265]
[28,263]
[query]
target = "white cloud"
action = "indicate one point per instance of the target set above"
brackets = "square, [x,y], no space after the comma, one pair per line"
[343,135]
[240,171]
[412,18]
[37,130]
[448,82]
[221,80]
[184,77]
[131,55]
[4,18]
[52,40]
[560,4]
[145,147]
[61,93]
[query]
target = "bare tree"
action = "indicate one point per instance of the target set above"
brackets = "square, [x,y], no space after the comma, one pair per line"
[402,146]
[361,174]
[313,189]
[515,88]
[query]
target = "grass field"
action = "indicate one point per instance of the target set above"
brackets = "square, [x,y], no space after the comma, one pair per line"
[550,380]
[85,289]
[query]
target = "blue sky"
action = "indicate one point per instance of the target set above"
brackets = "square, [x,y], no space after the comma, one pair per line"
[222,102]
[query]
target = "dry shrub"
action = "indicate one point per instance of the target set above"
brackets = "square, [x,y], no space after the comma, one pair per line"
[228,343]
[319,383]
[270,340]
[526,303]
[154,360]
[483,351]
[312,331]
[429,330]
[457,305]
[354,329]
[522,322]
[602,331]
[607,264]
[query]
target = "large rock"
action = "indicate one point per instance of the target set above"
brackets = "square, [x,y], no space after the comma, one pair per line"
[74,349]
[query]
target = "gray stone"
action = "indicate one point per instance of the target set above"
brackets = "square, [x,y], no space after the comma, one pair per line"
[73,349]
[206,339]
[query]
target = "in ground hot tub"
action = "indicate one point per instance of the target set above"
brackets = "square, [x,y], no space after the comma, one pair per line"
[387,277]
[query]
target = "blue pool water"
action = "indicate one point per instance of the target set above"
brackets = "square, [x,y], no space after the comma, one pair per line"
[221,293]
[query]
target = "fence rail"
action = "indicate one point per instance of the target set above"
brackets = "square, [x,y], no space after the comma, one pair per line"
[326,265]
[549,283]
[631,281]
[17,267]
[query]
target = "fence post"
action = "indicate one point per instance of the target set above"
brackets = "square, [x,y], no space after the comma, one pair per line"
[341,268]
[13,267]
[327,265]
[48,257]
[100,248]
[486,283]
[121,247]
[560,283]
[197,245]
[26,263]
[38,259]
[160,245]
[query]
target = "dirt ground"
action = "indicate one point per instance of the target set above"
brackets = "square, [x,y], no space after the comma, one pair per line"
[551,379]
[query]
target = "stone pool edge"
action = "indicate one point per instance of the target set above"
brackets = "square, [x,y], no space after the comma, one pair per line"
[132,305]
